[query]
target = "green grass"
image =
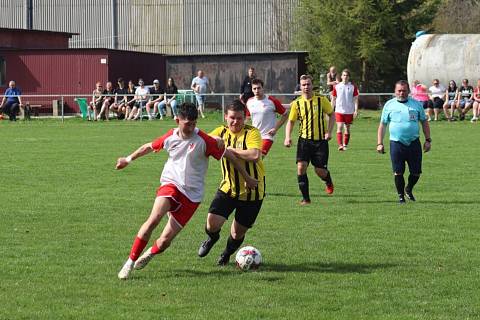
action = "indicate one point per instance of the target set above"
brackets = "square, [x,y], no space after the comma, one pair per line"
[68,220]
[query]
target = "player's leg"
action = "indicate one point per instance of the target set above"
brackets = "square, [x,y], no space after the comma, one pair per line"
[220,208]
[340,124]
[303,158]
[266,145]
[414,161]
[173,105]
[161,109]
[245,215]
[445,110]
[320,162]
[160,208]
[398,158]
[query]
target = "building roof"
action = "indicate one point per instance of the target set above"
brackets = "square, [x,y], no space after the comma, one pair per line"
[69,34]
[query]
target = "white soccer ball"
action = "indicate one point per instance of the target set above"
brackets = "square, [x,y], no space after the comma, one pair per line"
[248,258]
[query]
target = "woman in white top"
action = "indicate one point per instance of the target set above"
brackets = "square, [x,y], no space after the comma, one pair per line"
[437,96]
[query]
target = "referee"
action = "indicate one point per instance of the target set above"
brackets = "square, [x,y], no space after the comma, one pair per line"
[316,123]
[402,114]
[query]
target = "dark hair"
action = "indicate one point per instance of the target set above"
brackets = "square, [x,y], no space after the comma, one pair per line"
[236,105]
[188,110]
[454,86]
[257,81]
[120,80]
[346,71]
[402,83]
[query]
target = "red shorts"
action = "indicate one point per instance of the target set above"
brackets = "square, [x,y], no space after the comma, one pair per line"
[182,209]
[345,118]
[266,145]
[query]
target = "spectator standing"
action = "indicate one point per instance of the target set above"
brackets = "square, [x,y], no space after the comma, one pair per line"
[246,88]
[437,97]
[97,101]
[332,79]
[451,95]
[403,115]
[11,101]
[108,100]
[200,85]
[345,104]
[130,100]
[171,92]
[465,99]
[476,102]
[316,124]
[262,109]
[156,96]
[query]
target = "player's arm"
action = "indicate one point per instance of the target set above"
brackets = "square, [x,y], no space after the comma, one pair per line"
[3,101]
[380,136]
[250,181]
[288,133]
[331,123]
[279,124]
[122,162]
[253,154]
[426,133]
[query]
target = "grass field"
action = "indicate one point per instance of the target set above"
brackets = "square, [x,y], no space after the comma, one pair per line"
[68,220]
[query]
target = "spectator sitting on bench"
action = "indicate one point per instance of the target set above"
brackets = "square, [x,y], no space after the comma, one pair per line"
[170,99]
[156,96]
[96,104]
[118,105]
[108,100]
[130,99]
[141,95]
[11,101]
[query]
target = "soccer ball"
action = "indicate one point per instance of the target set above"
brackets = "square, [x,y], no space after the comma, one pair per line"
[248,258]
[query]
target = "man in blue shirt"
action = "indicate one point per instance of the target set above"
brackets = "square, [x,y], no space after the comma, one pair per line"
[402,114]
[11,101]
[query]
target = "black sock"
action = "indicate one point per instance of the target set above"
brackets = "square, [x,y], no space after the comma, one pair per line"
[212,235]
[303,185]
[232,245]
[412,181]
[328,179]
[400,185]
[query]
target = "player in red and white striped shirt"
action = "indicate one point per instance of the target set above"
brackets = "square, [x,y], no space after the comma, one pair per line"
[262,108]
[345,102]
[182,183]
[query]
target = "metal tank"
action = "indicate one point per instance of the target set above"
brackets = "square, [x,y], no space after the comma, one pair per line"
[445,57]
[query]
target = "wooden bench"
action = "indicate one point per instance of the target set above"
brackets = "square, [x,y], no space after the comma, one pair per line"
[27,109]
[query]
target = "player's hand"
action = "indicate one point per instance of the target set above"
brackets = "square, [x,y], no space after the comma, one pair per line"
[287,143]
[251,183]
[220,143]
[272,132]
[380,149]
[328,136]
[427,146]
[121,163]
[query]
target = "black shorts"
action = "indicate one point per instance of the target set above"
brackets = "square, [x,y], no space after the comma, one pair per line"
[246,212]
[412,155]
[314,151]
[438,103]
[427,104]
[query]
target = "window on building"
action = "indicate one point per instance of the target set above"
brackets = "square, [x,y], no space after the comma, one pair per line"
[2,72]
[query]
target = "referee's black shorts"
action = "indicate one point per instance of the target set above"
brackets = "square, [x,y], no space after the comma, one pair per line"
[246,212]
[314,151]
[411,154]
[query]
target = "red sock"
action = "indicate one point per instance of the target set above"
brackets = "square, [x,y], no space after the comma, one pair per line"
[137,248]
[346,139]
[155,248]
[339,138]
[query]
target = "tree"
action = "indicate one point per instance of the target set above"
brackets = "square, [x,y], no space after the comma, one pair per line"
[458,17]
[370,37]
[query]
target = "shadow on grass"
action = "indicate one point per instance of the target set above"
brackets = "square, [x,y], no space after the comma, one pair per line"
[311,267]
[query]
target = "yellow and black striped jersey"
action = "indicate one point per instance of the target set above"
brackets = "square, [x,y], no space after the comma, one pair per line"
[311,113]
[233,183]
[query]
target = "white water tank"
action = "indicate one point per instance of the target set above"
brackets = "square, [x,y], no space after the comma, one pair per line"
[445,57]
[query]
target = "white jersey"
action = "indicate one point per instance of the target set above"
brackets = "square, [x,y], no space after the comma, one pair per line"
[437,92]
[344,93]
[263,114]
[202,84]
[187,162]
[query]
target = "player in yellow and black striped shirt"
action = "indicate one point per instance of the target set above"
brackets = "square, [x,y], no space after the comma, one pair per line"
[315,114]
[245,142]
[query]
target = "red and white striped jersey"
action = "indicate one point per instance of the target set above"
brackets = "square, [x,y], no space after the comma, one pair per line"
[263,113]
[344,93]
[187,162]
